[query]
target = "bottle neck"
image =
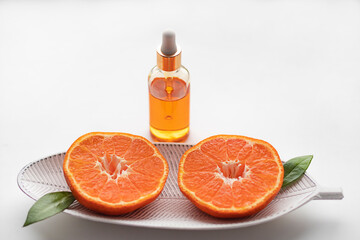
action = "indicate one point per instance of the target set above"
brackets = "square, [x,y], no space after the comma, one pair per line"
[168,63]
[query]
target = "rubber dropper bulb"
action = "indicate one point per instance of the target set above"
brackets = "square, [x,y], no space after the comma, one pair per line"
[168,46]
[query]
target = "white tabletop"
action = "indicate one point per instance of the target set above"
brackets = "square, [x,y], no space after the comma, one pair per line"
[283,71]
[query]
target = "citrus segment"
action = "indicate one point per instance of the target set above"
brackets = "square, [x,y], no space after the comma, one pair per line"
[144,184]
[110,192]
[199,163]
[195,180]
[138,150]
[143,165]
[80,153]
[230,176]
[223,197]
[128,191]
[208,191]
[215,148]
[235,147]
[121,144]
[114,173]
[94,144]
[92,183]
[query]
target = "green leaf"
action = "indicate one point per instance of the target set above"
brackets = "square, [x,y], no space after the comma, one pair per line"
[295,168]
[49,205]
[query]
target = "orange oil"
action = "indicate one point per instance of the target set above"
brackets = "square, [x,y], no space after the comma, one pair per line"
[169,100]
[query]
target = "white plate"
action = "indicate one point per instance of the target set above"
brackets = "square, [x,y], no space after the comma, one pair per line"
[171,210]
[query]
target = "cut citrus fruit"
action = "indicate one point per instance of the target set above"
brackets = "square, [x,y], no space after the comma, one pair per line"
[114,173]
[230,176]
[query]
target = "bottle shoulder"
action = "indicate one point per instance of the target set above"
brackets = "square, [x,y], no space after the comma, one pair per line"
[181,73]
[185,72]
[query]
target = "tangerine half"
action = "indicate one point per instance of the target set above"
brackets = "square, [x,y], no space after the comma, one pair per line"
[229,176]
[114,173]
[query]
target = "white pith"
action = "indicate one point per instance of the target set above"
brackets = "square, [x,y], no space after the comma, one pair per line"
[121,168]
[231,172]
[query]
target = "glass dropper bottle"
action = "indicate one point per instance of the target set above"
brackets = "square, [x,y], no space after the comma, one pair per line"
[169,93]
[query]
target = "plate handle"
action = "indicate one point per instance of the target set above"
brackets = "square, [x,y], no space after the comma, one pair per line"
[329,193]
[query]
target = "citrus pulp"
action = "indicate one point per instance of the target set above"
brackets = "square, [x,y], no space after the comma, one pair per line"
[230,176]
[114,173]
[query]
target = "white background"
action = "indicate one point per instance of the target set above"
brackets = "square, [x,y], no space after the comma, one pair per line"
[283,71]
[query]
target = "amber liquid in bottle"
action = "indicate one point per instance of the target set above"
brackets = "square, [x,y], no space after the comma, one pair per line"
[169,100]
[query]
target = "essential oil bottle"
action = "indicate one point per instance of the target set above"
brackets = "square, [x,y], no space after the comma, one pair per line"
[169,93]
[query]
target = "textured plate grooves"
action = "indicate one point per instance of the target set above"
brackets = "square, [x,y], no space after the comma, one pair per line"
[304,185]
[43,176]
[171,210]
[172,153]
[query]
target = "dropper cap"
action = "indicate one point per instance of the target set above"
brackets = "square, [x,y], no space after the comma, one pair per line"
[168,46]
[168,54]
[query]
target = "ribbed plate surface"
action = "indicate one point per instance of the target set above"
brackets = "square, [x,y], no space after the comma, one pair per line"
[171,209]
